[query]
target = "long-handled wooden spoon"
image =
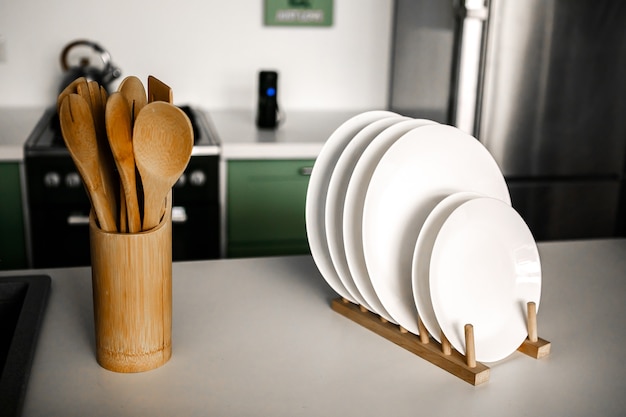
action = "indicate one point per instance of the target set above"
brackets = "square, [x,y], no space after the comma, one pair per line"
[79,134]
[119,132]
[162,143]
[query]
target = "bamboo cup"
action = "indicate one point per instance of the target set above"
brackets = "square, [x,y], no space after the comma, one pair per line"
[132,296]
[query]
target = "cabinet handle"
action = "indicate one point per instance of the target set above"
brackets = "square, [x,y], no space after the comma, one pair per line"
[179,214]
[306,171]
[77,220]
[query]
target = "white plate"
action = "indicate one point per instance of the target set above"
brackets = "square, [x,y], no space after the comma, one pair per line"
[316,194]
[353,208]
[336,196]
[484,269]
[419,170]
[421,258]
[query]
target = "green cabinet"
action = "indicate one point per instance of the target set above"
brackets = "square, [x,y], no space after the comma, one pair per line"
[265,202]
[12,240]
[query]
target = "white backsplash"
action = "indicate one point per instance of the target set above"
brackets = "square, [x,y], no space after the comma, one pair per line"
[209,51]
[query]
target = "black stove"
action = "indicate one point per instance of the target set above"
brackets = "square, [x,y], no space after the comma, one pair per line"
[58,206]
[46,138]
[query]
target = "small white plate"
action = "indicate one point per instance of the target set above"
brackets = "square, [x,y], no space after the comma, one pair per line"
[484,270]
[417,171]
[336,196]
[316,194]
[422,254]
[353,208]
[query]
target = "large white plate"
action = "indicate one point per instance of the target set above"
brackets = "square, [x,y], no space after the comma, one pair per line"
[316,194]
[353,208]
[419,170]
[484,269]
[336,196]
[422,254]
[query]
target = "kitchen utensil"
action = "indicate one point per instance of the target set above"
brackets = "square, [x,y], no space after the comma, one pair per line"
[79,134]
[132,88]
[335,198]
[119,133]
[315,205]
[353,208]
[159,91]
[103,75]
[484,269]
[71,88]
[162,144]
[415,173]
[421,258]
[97,100]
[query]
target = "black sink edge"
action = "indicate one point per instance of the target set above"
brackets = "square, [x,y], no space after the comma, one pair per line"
[14,378]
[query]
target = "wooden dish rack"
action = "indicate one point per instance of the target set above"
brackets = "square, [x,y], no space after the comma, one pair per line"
[441,354]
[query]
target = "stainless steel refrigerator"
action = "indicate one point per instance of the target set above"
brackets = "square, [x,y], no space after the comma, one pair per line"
[542,84]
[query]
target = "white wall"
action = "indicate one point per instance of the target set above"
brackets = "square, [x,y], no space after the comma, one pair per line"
[209,51]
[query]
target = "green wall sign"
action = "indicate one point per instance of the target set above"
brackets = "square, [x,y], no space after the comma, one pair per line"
[298,12]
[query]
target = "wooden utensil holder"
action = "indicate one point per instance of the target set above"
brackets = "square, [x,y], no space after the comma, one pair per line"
[132,295]
[441,354]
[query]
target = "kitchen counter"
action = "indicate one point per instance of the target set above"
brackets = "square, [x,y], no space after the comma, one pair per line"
[301,134]
[257,337]
[15,126]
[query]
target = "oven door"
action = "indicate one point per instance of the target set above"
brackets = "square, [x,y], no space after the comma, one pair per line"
[60,235]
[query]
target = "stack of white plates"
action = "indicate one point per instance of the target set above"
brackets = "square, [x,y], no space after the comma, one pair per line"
[410,218]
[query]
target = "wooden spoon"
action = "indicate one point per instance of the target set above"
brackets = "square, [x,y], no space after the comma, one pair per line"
[134,91]
[79,134]
[119,132]
[162,143]
[159,91]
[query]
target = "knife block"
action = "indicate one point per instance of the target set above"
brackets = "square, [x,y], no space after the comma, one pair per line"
[132,295]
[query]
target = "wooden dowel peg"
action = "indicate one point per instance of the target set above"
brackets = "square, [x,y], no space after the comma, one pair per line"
[451,361]
[363,309]
[403,330]
[344,300]
[382,319]
[446,348]
[470,349]
[532,321]
[423,332]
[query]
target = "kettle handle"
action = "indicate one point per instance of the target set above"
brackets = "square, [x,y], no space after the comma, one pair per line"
[109,72]
[104,55]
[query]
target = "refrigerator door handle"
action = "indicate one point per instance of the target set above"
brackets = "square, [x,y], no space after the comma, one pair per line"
[473,14]
[475,9]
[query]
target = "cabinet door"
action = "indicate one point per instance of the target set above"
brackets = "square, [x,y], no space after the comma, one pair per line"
[265,207]
[12,241]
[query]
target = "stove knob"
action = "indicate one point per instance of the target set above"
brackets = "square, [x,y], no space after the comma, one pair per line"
[181,181]
[197,178]
[52,180]
[72,180]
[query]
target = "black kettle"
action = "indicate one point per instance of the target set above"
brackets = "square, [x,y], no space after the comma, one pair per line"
[104,73]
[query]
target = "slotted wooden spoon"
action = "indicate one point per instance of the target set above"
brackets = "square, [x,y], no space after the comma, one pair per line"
[119,133]
[132,88]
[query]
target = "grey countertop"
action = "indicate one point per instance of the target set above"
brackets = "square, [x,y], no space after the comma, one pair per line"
[257,337]
[301,134]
